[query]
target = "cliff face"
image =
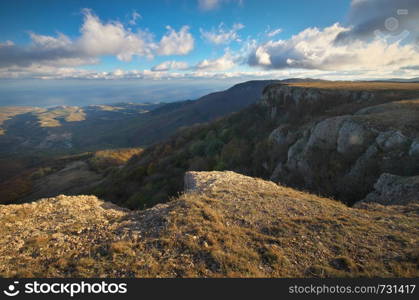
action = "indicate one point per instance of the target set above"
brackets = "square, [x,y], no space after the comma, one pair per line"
[225,225]
[339,141]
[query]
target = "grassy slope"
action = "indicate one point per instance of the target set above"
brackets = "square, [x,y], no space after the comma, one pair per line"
[34,173]
[230,226]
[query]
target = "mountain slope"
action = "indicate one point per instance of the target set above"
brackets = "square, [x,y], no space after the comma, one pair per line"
[165,121]
[332,138]
[225,225]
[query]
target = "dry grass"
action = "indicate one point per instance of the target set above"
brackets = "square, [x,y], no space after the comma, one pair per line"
[229,226]
[359,86]
[398,115]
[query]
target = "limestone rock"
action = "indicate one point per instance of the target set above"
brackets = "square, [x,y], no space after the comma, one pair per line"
[353,138]
[394,190]
[392,140]
[414,149]
[325,133]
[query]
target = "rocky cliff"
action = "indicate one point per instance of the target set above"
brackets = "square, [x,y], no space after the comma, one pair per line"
[225,225]
[339,141]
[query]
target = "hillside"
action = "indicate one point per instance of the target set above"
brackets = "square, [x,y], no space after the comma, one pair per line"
[331,138]
[225,225]
[50,176]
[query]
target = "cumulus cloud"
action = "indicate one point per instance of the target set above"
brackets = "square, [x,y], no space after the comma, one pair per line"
[112,39]
[225,62]
[315,48]
[46,50]
[96,39]
[170,65]
[222,35]
[176,43]
[381,35]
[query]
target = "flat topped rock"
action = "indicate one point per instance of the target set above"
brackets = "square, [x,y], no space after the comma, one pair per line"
[215,180]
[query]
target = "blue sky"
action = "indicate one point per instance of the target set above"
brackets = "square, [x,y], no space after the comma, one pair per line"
[213,41]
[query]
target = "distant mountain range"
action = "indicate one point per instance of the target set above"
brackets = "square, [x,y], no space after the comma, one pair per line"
[401,80]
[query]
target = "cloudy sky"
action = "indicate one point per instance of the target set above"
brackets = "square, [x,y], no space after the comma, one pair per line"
[213,42]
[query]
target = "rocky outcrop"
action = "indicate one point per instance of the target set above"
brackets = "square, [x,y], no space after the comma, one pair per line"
[285,101]
[394,190]
[341,155]
[207,182]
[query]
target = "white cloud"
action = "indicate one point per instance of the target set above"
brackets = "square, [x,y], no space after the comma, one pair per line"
[222,35]
[49,72]
[274,32]
[179,43]
[315,48]
[113,39]
[134,17]
[225,62]
[96,39]
[207,5]
[7,43]
[49,42]
[170,65]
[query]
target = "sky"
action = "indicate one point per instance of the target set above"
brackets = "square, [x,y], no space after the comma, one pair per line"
[167,50]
